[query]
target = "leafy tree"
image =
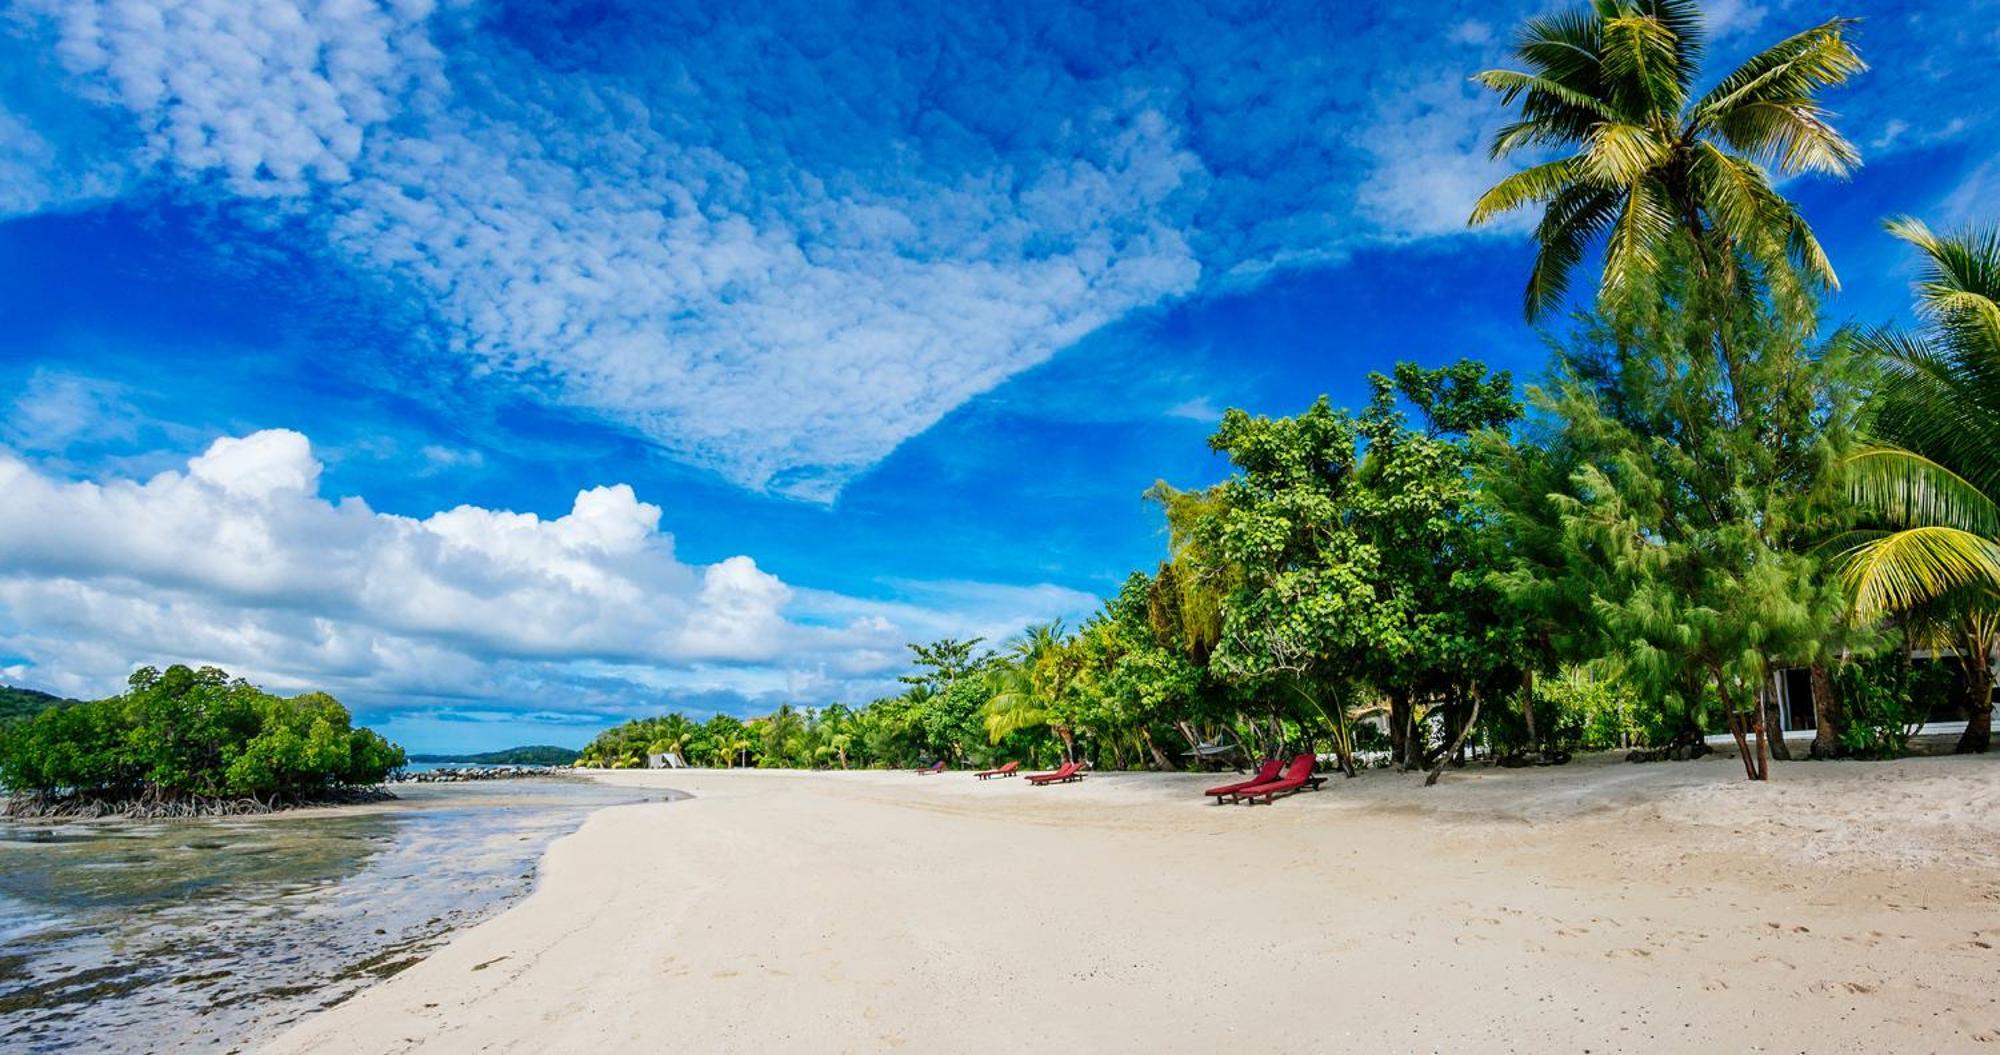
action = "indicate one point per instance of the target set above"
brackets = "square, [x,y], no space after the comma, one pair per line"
[1303,599]
[190,735]
[1689,520]
[1356,571]
[944,661]
[1419,508]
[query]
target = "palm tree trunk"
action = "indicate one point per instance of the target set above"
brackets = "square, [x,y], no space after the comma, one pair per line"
[1445,757]
[1769,718]
[1528,705]
[1978,735]
[1736,726]
[1399,729]
[1763,751]
[1826,714]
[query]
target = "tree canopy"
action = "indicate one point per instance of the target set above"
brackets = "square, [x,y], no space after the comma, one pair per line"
[183,734]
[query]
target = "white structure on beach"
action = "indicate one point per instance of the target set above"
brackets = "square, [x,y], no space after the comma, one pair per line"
[666,760]
[1798,716]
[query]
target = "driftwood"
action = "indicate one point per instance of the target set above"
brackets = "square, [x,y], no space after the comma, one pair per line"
[1680,752]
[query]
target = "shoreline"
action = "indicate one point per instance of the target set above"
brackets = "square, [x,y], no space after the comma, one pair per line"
[1842,907]
[217,934]
[46,810]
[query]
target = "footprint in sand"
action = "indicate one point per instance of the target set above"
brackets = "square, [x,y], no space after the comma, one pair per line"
[1633,953]
[1842,987]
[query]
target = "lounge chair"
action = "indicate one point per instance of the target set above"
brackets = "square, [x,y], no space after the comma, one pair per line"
[1266,773]
[931,770]
[1065,773]
[1007,770]
[1297,775]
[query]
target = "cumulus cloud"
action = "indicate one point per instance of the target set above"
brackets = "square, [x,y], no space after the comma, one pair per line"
[237,559]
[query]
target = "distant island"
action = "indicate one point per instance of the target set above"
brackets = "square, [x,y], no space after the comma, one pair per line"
[17,703]
[533,755]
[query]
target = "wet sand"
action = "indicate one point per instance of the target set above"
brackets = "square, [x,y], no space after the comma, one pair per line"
[1601,906]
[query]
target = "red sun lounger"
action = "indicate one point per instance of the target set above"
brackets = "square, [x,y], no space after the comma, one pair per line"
[929,770]
[1297,775]
[1007,770]
[1067,772]
[1266,773]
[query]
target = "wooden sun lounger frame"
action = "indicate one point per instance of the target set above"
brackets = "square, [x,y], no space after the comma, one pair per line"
[1007,770]
[1311,783]
[1227,791]
[1288,785]
[1067,772]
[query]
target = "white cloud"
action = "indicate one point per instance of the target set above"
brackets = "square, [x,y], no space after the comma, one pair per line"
[1727,17]
[1975,202]
[1199,409]
[37,174]
[774,257]
[754,313]
[778,244]
[237,560]
[438,458]
[55,409]
[1428,137]
[1471,31]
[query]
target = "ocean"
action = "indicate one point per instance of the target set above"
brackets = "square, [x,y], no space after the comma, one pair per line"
[209,935]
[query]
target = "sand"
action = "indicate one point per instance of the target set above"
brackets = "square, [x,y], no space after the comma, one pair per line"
[1598,907]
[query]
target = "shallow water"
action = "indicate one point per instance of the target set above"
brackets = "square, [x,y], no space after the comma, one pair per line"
[209,935]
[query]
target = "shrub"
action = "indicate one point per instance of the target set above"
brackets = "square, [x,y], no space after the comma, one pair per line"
[1886,700]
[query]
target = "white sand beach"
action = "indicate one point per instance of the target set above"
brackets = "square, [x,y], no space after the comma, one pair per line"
[1599,907]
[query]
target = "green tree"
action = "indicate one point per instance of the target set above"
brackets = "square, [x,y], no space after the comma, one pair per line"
[1303,598]
[181,735]
[1689,521]
[944,661]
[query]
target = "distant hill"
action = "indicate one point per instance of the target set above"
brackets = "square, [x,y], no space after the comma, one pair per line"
[25,703]
[536,755]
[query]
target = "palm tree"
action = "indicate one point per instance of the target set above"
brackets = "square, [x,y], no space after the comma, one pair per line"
[671,734]
[781,731]
[1029,678]
[1932,479]
[1651,161]
[1015,706]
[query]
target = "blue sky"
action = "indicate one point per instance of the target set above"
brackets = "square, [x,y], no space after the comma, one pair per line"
[850,325]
